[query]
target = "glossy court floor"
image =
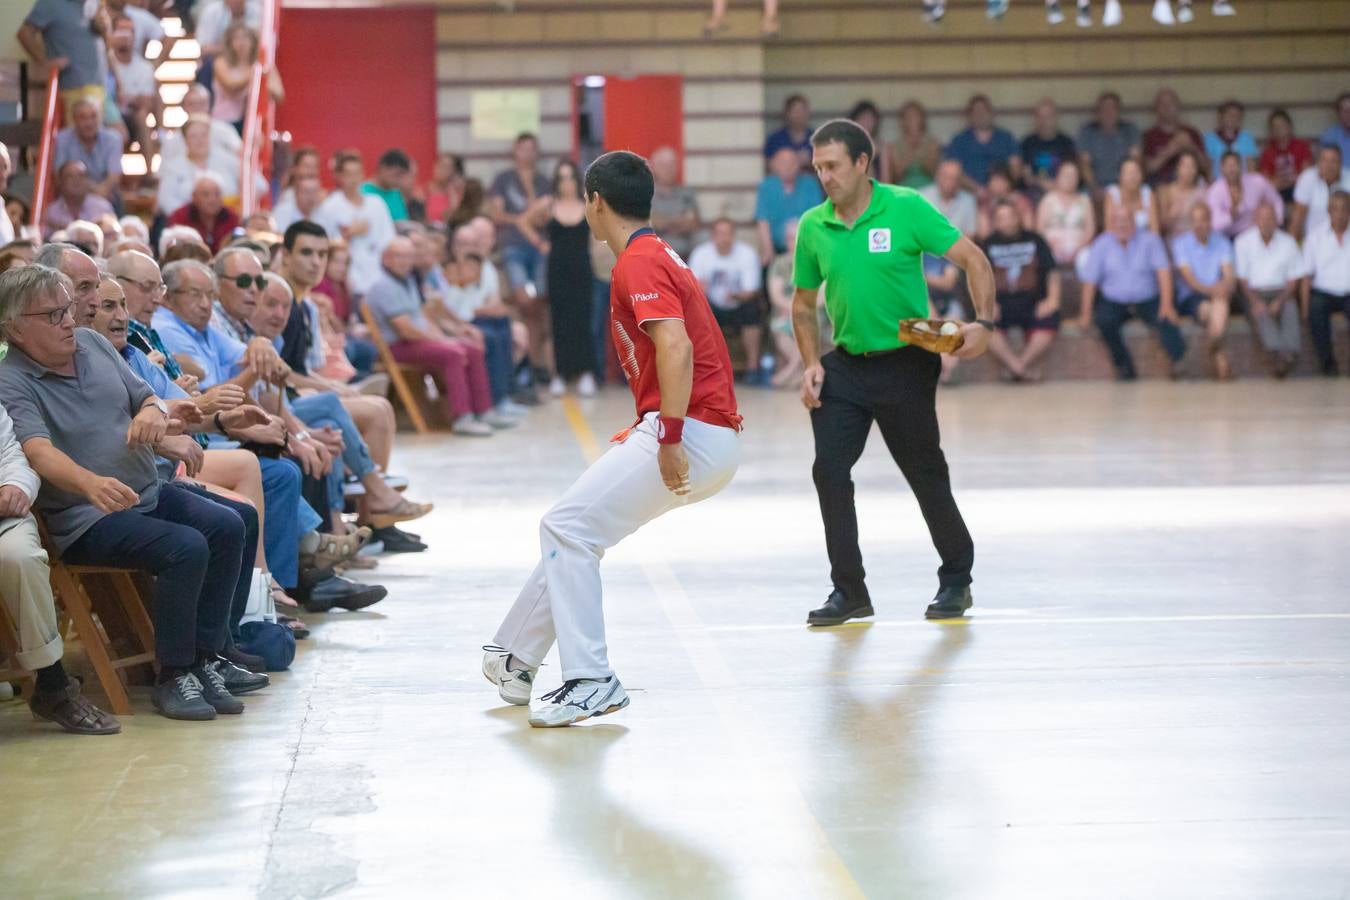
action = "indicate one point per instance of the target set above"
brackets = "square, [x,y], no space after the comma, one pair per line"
[1149,701]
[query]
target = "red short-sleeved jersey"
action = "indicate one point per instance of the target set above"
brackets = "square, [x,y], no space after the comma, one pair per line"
[650,283]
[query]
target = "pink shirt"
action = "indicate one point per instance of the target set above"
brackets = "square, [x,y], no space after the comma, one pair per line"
[1255,191]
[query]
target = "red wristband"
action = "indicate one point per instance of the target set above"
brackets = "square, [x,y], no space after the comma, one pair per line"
[669,430]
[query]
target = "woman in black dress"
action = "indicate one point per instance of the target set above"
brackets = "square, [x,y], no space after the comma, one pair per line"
[569,285]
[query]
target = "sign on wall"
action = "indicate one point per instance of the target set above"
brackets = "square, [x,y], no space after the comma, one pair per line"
[500,115]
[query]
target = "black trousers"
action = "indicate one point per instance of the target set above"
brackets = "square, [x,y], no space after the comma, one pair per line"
[897,391]
[1320,307]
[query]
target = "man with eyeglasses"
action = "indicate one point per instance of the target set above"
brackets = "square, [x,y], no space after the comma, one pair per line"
[144,287]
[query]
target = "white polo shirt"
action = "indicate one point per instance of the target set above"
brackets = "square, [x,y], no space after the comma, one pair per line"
[1327,259]
[1313,192]
[1267,267]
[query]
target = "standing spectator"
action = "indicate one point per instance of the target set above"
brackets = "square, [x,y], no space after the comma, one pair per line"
[866,114]
[784,194]
[955,203]
[1106,142]
[75,199]
[225,143]
[1338,134]
[1001,189]
[207,213]
[233,76]
[1128,266]
[393,174]
[515,196]
[1176,198]
[145,27]
[730,273]
[1134,196]
[63,35]
[795,133]
[216,17]
[1313,190]
[569,285]
[1326,263]
[445,191]
[1284,156]
[178,175]
[99,148]
[1065,217]
[137,89]
[1269,268]
[1235,195]
[1229,136]
[1163,143]
[1027,290]
[982,145]
[1046,148]
[358,218]
[306,197]
[1204,261]
[914,157]
[674,205]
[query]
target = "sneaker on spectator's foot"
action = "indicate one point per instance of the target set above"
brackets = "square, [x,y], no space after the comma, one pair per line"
[1162,12]
[238,680]
[181,698]
[578,699]
[586,385]
[1053,14]
[497,421]
[1223,8]
[557,387]
[396,540]
[1112,16]
[215,692]
[995,9]
[1084,16]
[934,11]
[512,408]
[468,426]
[1185,15]
[513,684]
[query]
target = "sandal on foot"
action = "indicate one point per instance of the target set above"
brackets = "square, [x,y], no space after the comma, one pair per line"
[334,549]
[405,511]
[281,598]
[72,711]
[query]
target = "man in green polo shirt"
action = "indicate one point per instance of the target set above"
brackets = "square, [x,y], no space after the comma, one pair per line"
[866,245]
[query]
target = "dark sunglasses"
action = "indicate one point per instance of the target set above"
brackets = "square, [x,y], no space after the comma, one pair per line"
[243,281]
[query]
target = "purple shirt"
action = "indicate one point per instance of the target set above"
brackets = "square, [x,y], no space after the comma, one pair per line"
[1129,273]
[1255,191]
[59,214]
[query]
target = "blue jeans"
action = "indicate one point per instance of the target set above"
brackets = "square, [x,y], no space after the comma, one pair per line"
[362,355]
[325,410]
[498,350]
[1111,318]
[288,517]
[195,549]
[600,326]
[524,264]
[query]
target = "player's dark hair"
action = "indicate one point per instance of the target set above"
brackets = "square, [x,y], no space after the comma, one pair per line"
[302,227]
[853,136]
[395,159]
[624,181]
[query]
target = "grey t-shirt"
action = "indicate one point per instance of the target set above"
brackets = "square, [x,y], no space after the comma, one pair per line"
[86,417]
[65,32]
[389,298]
[1107,150]
[511,189]
[671,204]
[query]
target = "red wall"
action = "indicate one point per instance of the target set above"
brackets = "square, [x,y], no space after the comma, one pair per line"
[363,78]
[645,113]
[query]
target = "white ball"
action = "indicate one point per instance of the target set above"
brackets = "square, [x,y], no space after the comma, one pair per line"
[949,328]
[922,326]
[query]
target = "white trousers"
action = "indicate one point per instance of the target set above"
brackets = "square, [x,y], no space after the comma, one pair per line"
[26,589]
[617,495]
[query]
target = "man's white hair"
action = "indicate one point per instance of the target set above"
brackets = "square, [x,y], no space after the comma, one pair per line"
[177,234]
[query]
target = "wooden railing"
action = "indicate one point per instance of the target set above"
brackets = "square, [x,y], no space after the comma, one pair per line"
[42,181]
[259,116]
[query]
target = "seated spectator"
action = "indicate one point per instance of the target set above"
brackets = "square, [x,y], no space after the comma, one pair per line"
[952,200]
[1326,263]
[479,300]
[82,271]
[304,202]
[1106,142]
[729,271]
[1026,288]
[416,340]
[232,77]
[25,589]
[59,34]
[360,352]
[1269,268]
[1162,144]
[1313,190]
[11,259]
[305,163]
[216,17]
[207,213]
[1128,266]
[780,291]
[1045,149]
[768,25]
[358,218]
[1235,195]
[75,198]
[1133,195]
[137,89]
[866,114]
[1000,188]
[89,428]
[795,133]
[1337,134]
[1065,217]
[674,205]
[111,229]
[784,194]
[1205,282]
[393,174]
[225,143]
[982,145]
[1229,136]
[1176,198]
[99,148]
[182,242]
[914,158]
[87,236]
[178,175]
[1284,156]
[445,190]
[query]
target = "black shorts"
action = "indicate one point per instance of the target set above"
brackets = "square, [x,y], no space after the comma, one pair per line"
[1016,312]
[743,315]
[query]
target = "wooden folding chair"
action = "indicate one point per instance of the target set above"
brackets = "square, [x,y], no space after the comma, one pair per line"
[398,372]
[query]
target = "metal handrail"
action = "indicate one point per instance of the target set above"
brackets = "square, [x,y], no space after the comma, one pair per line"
[260,116]
[42,181]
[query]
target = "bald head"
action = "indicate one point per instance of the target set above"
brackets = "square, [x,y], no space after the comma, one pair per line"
[399,257]
[665,165]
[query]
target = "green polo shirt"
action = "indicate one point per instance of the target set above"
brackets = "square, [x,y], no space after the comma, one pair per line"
[393,198]
[872,271]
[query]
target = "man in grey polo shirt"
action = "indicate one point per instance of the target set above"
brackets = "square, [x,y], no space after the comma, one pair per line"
[89,426]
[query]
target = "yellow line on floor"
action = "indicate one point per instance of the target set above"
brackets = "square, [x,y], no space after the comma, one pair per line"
[762,765]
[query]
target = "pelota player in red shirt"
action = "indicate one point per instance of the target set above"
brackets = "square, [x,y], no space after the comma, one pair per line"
[684,447]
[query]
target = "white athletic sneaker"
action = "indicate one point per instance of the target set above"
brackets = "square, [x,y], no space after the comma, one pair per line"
[1162,12]
[513,685]
[557,387]
[1054,15]
[513,409]
[1084,17]
[1112,16]
[933,12]
[498,420]
[586,385]
[1223,8]
[580,698]
[1185,15]
[469,426]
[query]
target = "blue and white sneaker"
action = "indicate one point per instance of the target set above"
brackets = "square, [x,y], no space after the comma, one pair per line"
[513,684]
[995,9]
[580,698]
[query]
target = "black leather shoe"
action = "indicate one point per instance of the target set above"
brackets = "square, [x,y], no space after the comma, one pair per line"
[396,540]
[342,593]
[240,681]
[950,603]
[838,610]
[244,660]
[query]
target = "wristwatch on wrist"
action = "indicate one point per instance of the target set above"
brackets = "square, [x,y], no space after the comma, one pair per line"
[162,407]
[988,325]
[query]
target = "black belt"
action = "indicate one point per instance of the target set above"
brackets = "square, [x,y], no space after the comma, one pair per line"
[869,354]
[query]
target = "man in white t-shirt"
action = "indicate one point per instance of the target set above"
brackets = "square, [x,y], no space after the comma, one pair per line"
[217,16]
[302,203]
[225,141]
[731,276]
[1269,267]
[1326,290]
[362,220]
[1313,190]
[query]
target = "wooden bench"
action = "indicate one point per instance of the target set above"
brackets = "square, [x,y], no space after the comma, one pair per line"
[399,373]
